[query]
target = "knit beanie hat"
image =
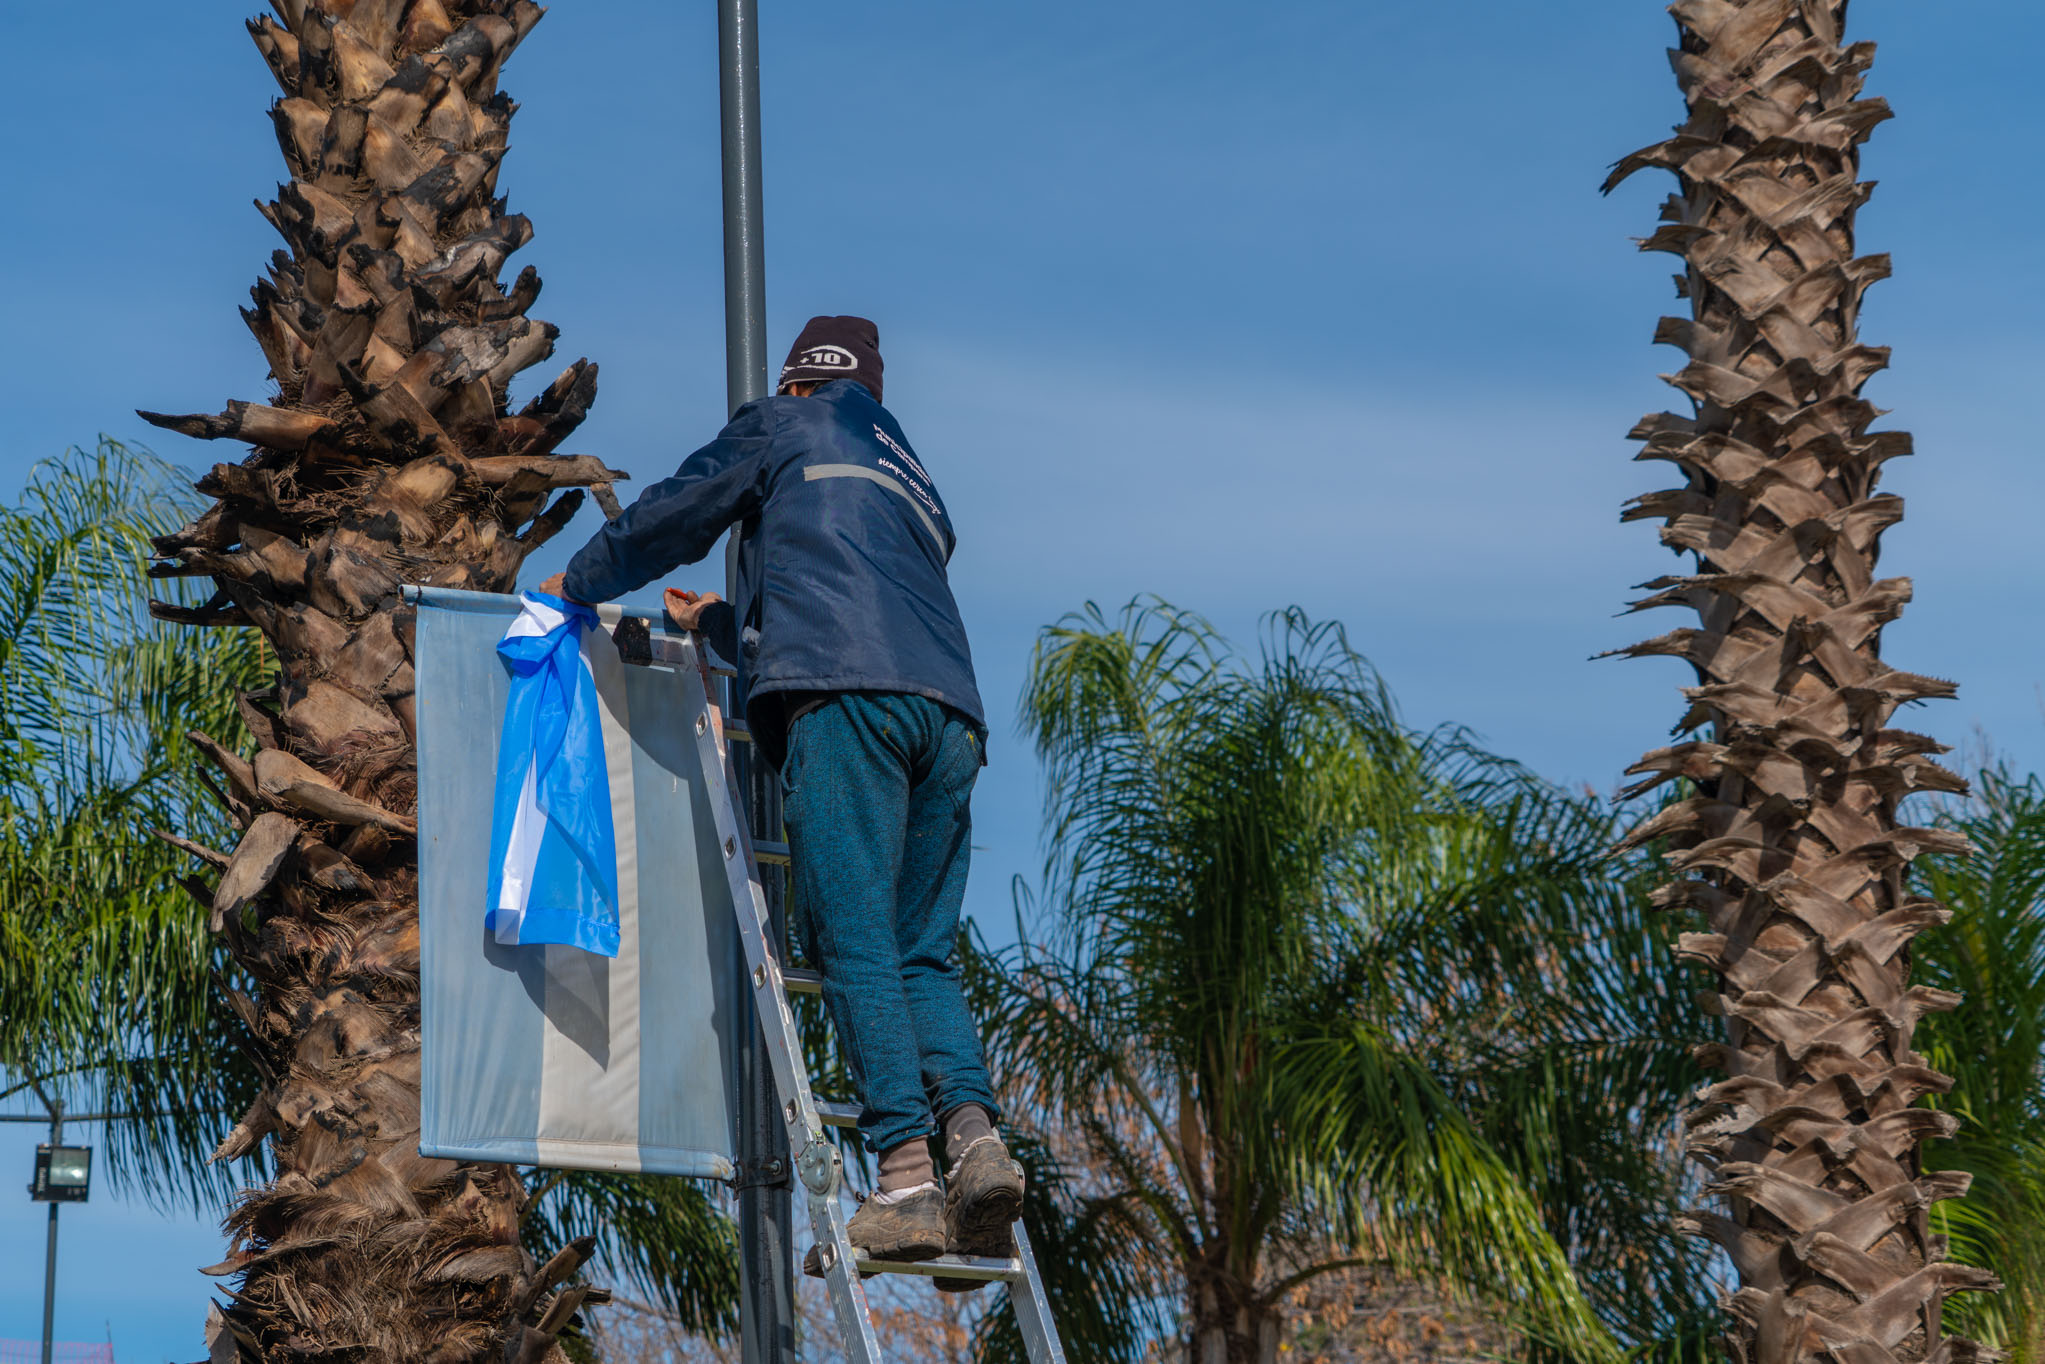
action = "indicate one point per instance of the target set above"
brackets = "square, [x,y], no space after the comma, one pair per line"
[835,348]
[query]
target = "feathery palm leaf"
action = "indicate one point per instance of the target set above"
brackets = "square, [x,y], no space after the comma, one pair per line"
[105,965]
[1993,953]
[1093,1254]
[1296,998]
[665,1236]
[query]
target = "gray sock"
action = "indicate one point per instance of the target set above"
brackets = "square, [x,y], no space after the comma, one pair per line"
[963,1126]
[906,1166]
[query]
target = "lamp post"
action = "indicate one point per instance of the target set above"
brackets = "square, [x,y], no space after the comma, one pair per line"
[765,1208]
[63,1174]
[45,1190]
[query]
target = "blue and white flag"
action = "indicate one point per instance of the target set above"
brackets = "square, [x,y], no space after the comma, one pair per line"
[553,852]
[552,1055]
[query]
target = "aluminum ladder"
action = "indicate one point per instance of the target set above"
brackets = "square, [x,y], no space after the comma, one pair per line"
[813,1157]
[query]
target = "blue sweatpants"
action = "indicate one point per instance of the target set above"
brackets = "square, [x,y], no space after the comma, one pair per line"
[876,792]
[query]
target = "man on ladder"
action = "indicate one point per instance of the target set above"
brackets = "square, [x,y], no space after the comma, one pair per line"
[859,687]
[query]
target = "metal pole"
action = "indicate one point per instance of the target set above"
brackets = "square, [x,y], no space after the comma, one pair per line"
[745,251]
[50,1260]
[765,1212]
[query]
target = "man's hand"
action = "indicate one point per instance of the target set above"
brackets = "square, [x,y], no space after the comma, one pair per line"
[554,586]
[686,609]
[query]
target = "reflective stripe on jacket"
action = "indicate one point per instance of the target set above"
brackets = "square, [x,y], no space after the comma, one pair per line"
[841,578]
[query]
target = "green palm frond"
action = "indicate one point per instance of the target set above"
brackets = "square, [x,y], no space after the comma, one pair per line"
[1372,1147]
[1574,1053]
[1110,1290]
[666,1237]
[1316,986]
[1993,953]
[106,968]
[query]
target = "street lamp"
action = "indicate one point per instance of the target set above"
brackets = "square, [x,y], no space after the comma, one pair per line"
[63,1174]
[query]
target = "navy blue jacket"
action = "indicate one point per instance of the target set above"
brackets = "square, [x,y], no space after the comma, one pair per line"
[841,573]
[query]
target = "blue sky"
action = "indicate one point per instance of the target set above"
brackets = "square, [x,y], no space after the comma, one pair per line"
[1248,306]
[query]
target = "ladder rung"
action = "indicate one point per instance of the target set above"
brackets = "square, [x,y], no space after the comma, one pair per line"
[948,1266]
[775,854]
[836,1114]
[801,982]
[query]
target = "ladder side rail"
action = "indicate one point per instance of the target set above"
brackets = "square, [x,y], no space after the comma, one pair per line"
[813,1158]
[1032,1308]
[799,1113]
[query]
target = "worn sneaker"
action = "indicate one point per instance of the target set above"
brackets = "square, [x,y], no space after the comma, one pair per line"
[983,1194]
[908,1227]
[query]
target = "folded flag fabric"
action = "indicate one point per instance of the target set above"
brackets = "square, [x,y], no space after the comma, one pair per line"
[553,852]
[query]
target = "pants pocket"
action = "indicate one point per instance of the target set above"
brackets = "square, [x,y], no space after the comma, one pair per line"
[959,767]
[791,768]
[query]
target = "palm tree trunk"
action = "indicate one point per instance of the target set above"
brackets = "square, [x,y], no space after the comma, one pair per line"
[1231,1324]
[387,455]
[1790,843]
[1230,1321]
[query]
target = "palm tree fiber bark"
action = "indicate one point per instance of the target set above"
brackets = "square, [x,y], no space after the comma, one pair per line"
[386,455]
[1787,839]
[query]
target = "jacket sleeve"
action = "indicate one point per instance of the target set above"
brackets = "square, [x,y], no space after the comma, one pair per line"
[677,520]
